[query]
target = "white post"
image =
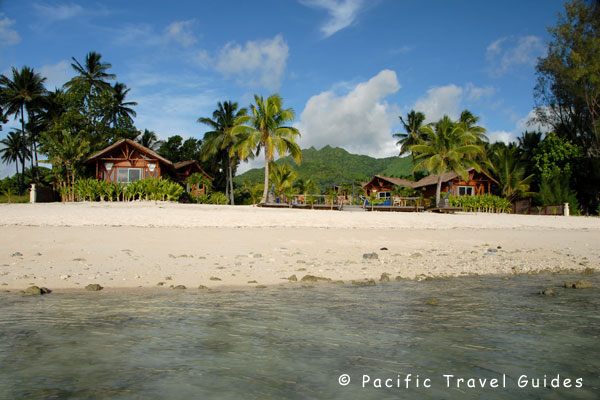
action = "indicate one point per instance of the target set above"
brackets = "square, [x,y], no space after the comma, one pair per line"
[32,194]
[566,211]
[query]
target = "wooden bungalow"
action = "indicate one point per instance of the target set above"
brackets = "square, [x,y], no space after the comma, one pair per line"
[384,185]
[477,183]
[127,161]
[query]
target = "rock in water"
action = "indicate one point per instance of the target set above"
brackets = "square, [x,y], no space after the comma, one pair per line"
[432,301]
[32,291]
[580,284]
[370,256]
[312,278]
[383,248]
[202,287]
[385,277]
[548,292]
[588,271]
[179,287]
[370,282]
[293,278]
[93,287]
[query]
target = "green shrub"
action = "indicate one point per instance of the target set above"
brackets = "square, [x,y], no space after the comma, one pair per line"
[482,203]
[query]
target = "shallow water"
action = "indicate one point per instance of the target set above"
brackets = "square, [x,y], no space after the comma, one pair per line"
[294,343]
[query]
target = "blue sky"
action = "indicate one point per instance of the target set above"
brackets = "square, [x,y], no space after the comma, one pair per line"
[348,68]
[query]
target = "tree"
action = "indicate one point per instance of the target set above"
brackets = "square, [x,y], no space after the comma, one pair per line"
[567,92]
[66,154]
[92,74]
[412,125]
[170,148]
[22,93]
[555,153]
[265,130]
[448,147]
[219,142]
[121,109]
[282,175]
[14,149]
[149,140]
[510,172]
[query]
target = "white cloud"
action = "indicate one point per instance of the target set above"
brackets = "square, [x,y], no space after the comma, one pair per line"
[450,100]
[8,36]
[507,53]
[56,75]
[528,123]
[476,93]
[342,13]
[440,101]
[181,32]
[359,121]
[59,12]
[258,63]
[501,136]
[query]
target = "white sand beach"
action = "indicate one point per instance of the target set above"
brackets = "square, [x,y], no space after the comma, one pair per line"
[139,244]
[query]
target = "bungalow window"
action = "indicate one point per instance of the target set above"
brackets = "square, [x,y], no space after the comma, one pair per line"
[385,195]
[127,175]
[465,190]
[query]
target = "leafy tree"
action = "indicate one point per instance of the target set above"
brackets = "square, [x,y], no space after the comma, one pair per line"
[23,92]
[412,125]
[219,142]
[554,152]
[171,148]
[265,130]
[568,86]
[448,147]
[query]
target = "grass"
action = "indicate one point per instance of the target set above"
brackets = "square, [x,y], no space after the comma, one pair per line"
[15,198]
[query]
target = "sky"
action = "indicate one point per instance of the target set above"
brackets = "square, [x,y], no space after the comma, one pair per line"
[348,68]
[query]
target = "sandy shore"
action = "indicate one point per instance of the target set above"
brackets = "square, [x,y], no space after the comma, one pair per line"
[126,245]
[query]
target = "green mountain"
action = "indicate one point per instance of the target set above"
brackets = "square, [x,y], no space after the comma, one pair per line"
[336,164]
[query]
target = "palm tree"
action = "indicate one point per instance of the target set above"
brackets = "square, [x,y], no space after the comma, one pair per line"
[67,151]
[412,125]
[14,149]
[282,175]
[219,142]
[149,140]
[120,108]
[93,74]
[469,122]
[23,92]
[447,147]
[265,130]
[510,172]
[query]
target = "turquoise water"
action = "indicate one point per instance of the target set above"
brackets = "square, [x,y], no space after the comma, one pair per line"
[294,343]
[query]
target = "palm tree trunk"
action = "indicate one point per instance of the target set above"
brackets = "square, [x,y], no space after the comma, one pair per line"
[266,188]
[438,190]
[230,175]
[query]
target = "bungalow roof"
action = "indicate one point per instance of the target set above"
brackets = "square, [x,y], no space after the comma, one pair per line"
[448,176]
[393,181]
[130,142]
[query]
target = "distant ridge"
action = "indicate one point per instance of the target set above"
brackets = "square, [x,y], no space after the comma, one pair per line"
[335,163]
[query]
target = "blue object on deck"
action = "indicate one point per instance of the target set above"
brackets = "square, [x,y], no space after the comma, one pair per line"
[388,202]
[277,200]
